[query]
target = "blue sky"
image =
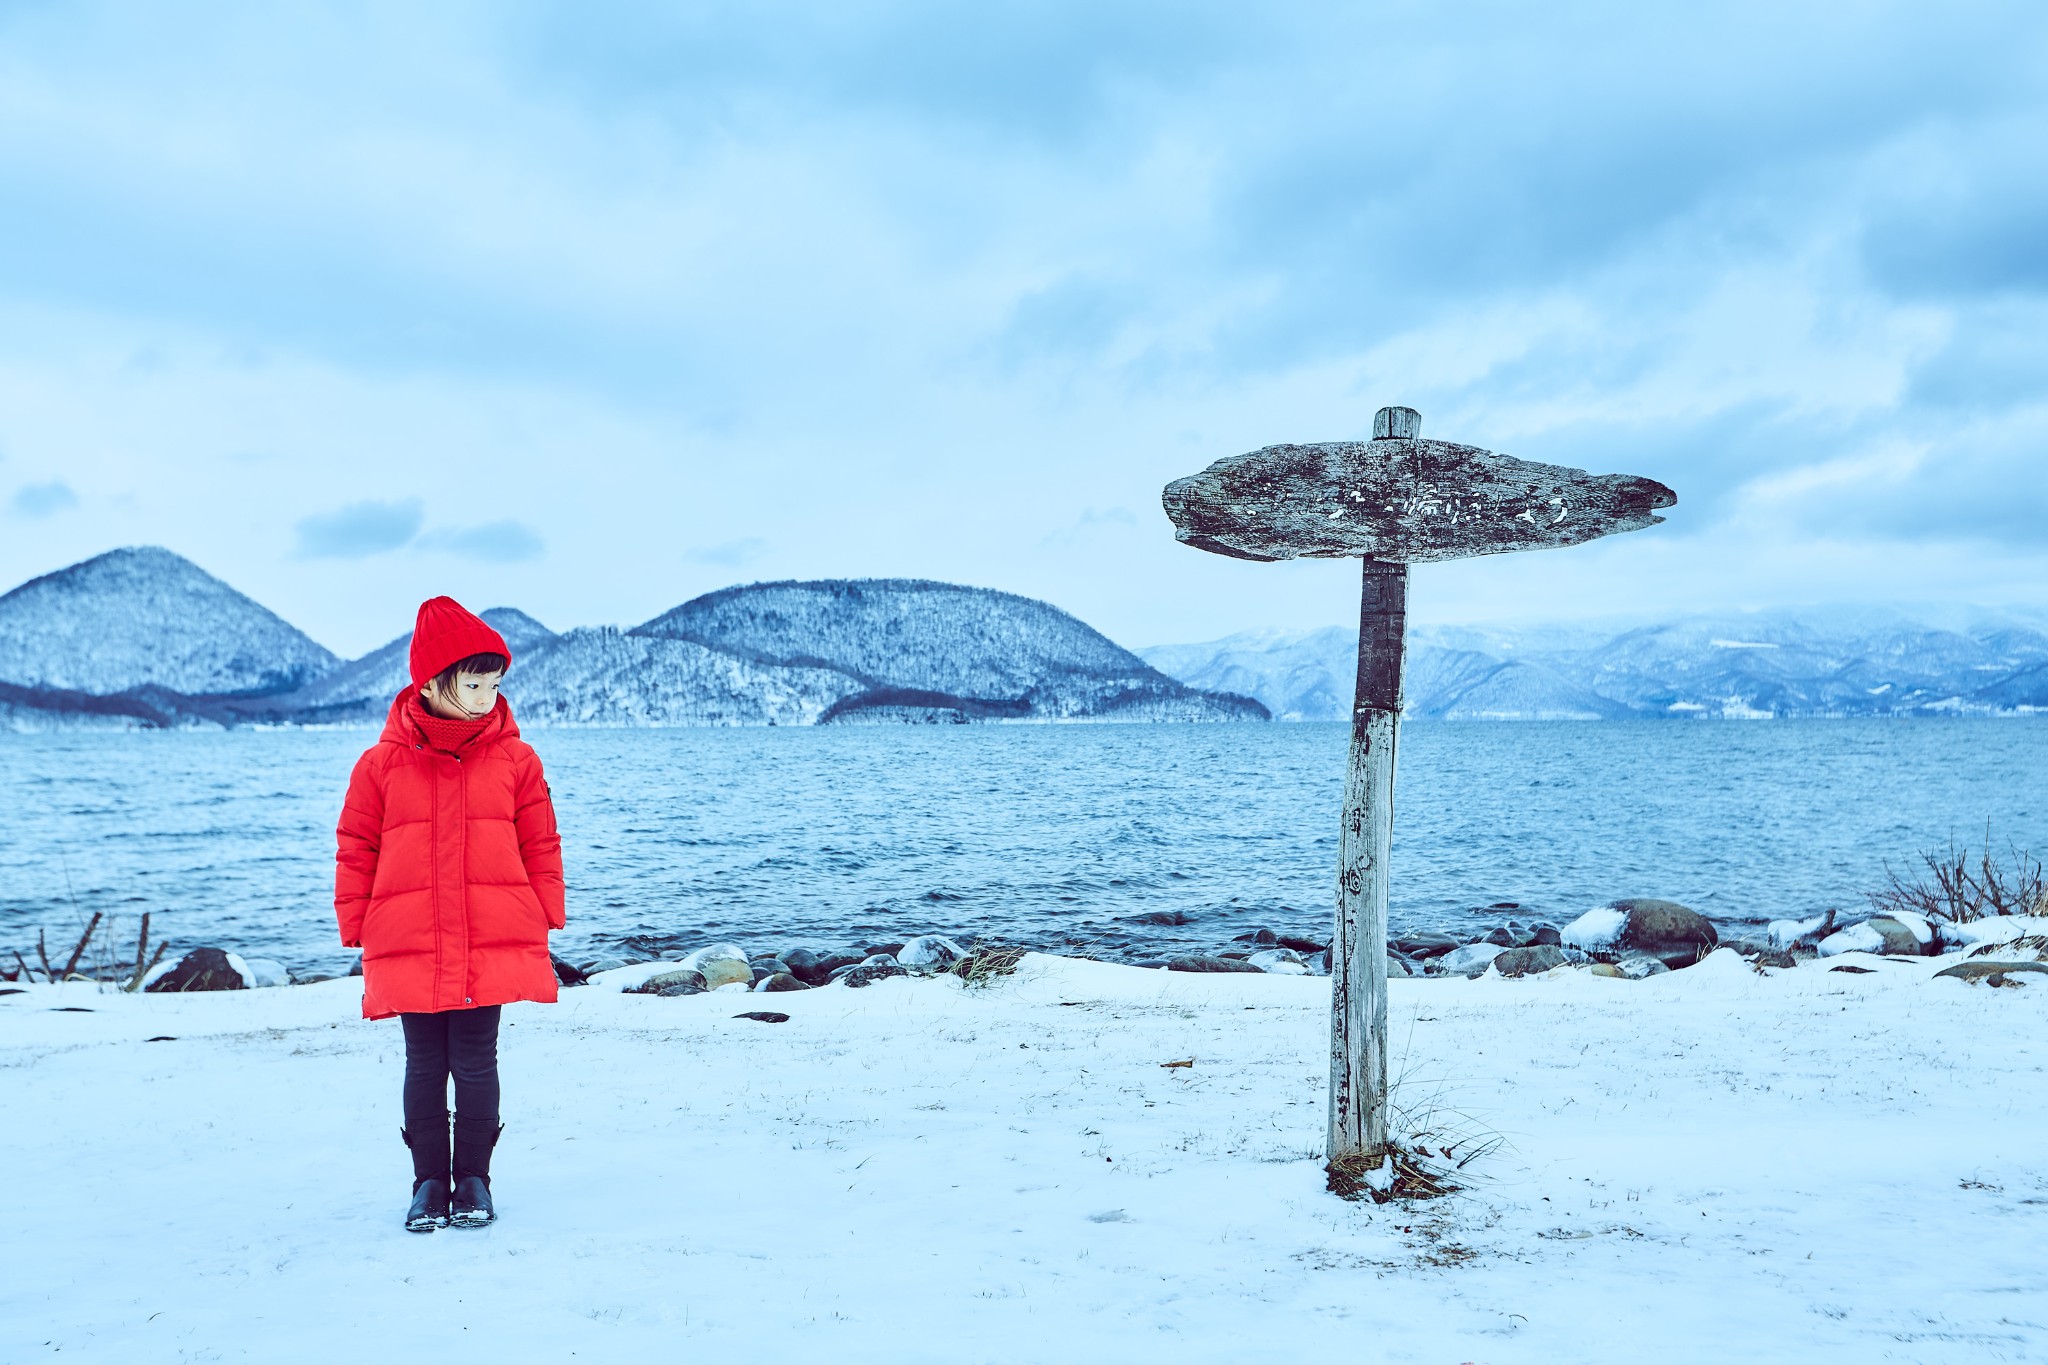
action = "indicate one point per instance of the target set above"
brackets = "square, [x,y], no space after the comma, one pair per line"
[589,309]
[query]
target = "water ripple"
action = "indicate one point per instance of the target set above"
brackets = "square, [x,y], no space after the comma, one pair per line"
[1126,840]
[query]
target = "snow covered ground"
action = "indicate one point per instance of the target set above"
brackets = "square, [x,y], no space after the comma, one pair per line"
[1709,1165]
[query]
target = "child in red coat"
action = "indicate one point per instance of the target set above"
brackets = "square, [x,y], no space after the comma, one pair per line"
[448,875]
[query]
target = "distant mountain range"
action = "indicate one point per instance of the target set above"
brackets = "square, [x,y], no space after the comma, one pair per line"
[1858,662]
[142,637]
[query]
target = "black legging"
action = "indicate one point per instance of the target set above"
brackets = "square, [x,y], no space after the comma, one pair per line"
[458,1043]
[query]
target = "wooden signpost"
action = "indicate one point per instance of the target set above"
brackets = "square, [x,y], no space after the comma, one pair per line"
[1392,501]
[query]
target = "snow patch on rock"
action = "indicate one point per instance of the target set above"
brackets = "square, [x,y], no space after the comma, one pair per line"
[1596,930]
[1857,938]
[1786,932]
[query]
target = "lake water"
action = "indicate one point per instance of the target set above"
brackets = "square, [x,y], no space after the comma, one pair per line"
[1054,836]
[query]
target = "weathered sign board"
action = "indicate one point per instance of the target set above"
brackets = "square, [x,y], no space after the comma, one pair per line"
[1400,499]
[1392,501]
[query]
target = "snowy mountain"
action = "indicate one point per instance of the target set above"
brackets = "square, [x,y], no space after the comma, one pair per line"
[145,617]
[1461,684]
[603,676]
[588,677]
[143,638]
[919,648]
[362,689]
[1782,663]
[1298,675]
[2027,688]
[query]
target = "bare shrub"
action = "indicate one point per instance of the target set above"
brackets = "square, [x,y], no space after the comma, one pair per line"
[1959,885]
[142,965]
[97,952]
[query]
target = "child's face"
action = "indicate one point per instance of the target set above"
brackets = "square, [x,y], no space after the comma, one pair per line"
[472,696]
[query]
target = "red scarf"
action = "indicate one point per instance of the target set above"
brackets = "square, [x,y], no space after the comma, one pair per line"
[449,736]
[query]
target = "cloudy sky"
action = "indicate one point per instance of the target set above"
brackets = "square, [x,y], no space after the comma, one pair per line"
[589,309]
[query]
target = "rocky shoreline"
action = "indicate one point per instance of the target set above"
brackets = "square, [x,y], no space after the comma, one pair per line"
[1630,939]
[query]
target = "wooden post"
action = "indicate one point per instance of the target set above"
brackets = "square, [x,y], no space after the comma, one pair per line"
[1392,501]
[1358,953]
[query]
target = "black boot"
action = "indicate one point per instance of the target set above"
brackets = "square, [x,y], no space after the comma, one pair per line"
[470,1206]
[430,1163]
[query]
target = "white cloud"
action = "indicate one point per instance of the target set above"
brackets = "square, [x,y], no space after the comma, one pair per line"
[43,499]
[912,291]
[359,530]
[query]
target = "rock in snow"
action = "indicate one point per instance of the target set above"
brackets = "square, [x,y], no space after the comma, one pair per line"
[1983,969]
[1786,932]
[1894,935]
[1471,960]
[928,953]
[720,964]
[814,968]
[1425,944]
[1596,931]
[1667,930]
[1528,961]
[1196,962]
[264,971]
[672,981]
[202,969]
[1916,926]
[879,967]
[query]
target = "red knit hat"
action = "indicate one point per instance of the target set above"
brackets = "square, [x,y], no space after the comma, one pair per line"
[448,632]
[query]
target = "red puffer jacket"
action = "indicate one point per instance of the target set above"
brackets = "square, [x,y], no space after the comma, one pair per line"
[448,873]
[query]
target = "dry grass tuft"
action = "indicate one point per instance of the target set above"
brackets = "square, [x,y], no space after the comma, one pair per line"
[1418,1174]
[984,965]
[2015,949]
[1436,1156]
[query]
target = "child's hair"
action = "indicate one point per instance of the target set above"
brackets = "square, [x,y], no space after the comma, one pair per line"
[475,663]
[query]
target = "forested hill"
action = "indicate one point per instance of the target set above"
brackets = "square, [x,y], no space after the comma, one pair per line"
[362,689]
[920,644]
[143,637]
[144,617]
